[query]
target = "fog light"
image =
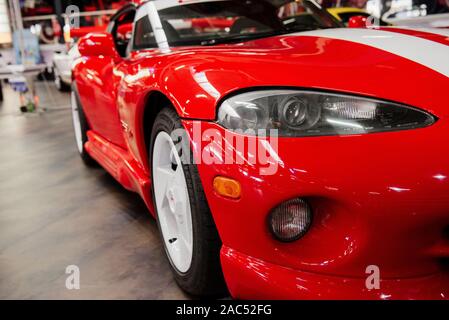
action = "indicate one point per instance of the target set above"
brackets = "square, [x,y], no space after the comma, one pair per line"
[290,220]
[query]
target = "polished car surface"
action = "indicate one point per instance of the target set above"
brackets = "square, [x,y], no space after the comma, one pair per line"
[371,165]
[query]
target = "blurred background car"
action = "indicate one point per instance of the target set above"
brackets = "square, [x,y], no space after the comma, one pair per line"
[345,13]
[62,67]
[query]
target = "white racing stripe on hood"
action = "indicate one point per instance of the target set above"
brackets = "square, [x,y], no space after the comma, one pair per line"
[425,52]
[438,31]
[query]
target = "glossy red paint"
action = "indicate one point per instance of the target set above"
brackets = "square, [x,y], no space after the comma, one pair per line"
[98,44]
[251,277]
[357,22]
[82,31]
[212,23]
[374,203]
[421,34]
[124,31]
[120,164]
[377,199]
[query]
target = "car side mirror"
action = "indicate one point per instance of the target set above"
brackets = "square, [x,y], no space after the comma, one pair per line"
[98,44]
[357,22]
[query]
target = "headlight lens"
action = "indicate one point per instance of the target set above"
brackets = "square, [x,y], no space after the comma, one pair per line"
[301,113]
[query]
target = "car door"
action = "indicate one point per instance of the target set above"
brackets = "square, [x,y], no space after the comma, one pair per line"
[102,84]
[134,78]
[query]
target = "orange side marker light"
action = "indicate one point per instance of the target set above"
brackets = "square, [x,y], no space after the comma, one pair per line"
[227,187]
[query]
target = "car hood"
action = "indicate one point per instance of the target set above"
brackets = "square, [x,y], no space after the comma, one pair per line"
[405,66]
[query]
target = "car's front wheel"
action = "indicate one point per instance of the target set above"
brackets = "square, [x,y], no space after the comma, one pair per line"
[189,235]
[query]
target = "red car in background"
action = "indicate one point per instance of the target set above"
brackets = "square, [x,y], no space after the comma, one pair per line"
[282,158]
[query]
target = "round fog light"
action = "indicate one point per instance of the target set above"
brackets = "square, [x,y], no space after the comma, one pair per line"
[290,220]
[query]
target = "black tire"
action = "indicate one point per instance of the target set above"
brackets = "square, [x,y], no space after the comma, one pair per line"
[87,159]
[63,86]
[204,278]
[60,85]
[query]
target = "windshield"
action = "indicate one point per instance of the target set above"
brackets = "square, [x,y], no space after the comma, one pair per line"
[222,21]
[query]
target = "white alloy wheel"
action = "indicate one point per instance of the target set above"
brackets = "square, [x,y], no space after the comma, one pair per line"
[172,202]
[77,123]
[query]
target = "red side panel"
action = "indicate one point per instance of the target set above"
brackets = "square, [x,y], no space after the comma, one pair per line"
[121,165]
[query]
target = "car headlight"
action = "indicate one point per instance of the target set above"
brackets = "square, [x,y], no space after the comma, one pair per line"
[296,113]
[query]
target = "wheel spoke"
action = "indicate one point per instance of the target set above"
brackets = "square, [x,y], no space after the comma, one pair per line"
[183,221]
[172,202]
[187,248]
[179,178]
[163,177]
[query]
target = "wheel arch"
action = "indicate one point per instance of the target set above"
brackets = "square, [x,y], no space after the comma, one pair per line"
[153,103]
[74,89]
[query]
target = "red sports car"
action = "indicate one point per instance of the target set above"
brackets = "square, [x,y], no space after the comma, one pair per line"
[286,158]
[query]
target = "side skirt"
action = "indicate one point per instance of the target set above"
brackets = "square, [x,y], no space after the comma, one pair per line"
[121,165]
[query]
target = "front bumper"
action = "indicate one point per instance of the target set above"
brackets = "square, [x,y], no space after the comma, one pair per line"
[248,277]
[378,199]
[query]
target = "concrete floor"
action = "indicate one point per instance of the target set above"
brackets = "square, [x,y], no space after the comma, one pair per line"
[55,212]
